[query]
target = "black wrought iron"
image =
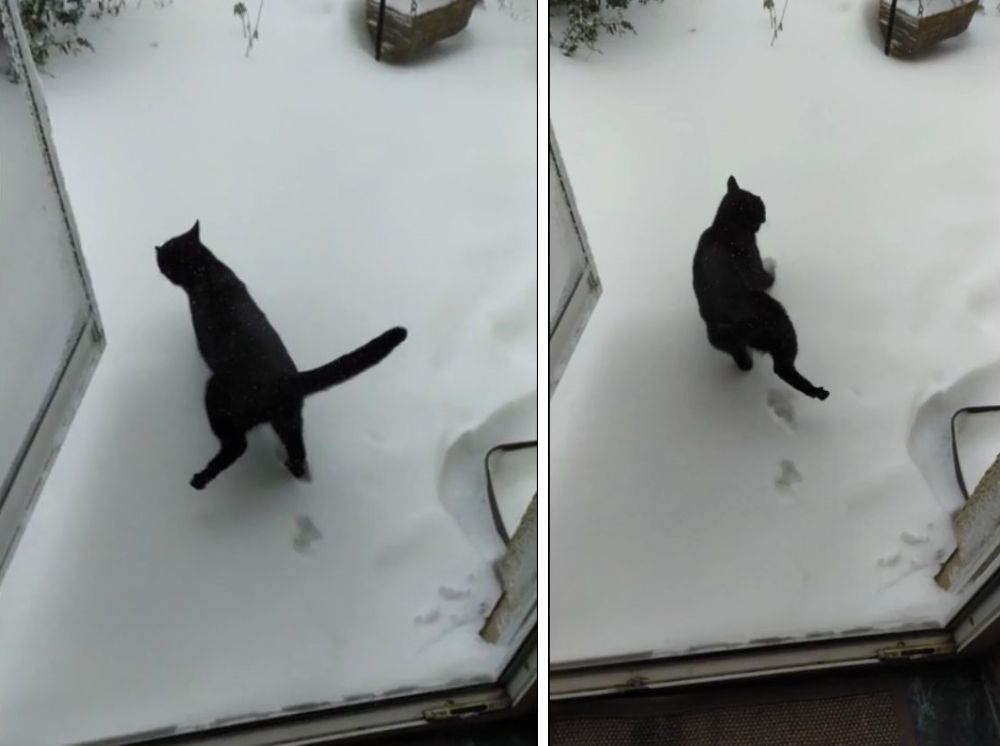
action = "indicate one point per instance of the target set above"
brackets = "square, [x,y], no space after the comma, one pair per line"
[491,495]
[381,23]
[888,32]
[954,442]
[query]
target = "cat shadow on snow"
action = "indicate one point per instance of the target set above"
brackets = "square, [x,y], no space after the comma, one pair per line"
[254,380]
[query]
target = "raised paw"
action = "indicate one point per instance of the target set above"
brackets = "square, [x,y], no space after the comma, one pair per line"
[199,480]
[743,361]
[819,393]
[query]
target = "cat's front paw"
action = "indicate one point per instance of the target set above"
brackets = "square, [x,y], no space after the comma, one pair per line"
[199,480]
[820,394]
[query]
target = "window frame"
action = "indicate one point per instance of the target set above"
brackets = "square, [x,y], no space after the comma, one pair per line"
[40,445]
[571,311]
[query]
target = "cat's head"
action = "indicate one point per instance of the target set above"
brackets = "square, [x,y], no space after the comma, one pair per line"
[740,210]
[183,258]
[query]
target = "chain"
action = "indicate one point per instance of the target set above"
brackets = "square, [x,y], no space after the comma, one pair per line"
[920,8]
[413,7]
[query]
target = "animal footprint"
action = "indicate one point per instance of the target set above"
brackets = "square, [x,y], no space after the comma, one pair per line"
[984,304]
[376,438]
[450,594]
[462,610]
[789,476]
[428,618]
[908,538]
[781,407]
[891,561]
[308,533]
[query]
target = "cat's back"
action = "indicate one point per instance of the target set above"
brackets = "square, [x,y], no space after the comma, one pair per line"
[706,255]
[234,335]
[714,263]
[718,282]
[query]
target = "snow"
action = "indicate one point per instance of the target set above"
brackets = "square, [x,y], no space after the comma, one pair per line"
[931,7]
[693,505]
[423,6]
[350,197]
[520,9]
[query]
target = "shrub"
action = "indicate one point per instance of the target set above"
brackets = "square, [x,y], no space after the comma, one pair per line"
[588,19]
[54,24]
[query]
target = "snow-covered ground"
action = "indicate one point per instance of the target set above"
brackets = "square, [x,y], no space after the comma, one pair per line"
[694,505]
[350,197]
[929,7]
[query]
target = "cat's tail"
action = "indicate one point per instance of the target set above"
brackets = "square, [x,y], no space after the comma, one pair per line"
[774,334]
[347,366]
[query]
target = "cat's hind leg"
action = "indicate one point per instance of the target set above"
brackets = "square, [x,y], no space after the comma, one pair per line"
[725,338]
[289,428]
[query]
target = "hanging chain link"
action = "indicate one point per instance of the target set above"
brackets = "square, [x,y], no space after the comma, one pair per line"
[920,8]
[413,7]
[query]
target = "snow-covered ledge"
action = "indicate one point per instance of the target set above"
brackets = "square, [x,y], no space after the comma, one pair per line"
[976,532]
[518,575]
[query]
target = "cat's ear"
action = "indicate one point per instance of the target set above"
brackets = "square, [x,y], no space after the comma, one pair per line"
[733,186]
[195,231]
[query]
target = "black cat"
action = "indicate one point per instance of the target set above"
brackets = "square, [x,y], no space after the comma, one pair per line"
[254,379]
[730,281]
